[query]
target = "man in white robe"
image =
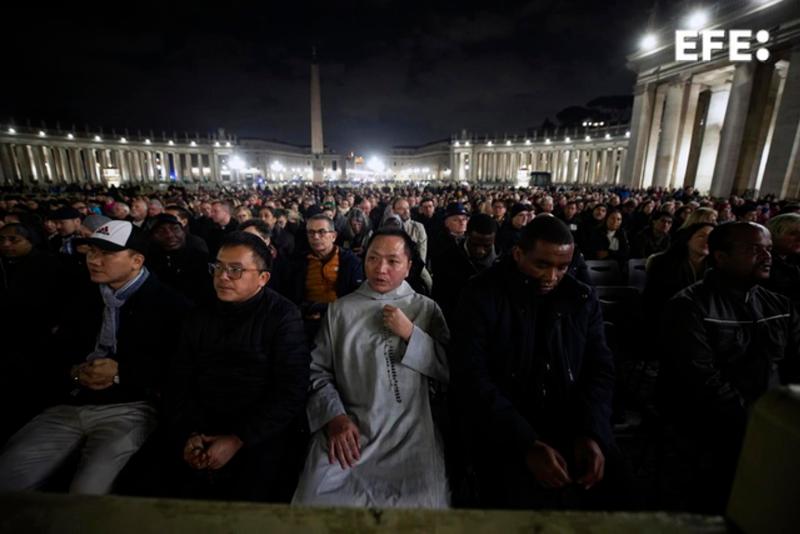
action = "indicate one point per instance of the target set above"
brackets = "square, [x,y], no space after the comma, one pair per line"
[374,443]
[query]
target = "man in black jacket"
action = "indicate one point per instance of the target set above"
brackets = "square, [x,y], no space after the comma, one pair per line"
[239,384]
[473,257]
[727,341]
[181,267]
[119,345]
[532,367]
[222,223]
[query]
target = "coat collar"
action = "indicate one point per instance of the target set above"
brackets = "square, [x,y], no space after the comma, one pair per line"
[569,296]
[402,291]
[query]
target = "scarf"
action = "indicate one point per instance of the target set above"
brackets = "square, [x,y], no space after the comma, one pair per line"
[481,264]
[114,300]
[66,246]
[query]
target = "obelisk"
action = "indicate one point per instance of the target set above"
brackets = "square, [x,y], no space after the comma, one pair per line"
[317,145]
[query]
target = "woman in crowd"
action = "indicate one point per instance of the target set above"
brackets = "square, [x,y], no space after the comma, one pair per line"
[31,296]
[356,232]
[700,215]
[609,241]
[681,265]
[243,214]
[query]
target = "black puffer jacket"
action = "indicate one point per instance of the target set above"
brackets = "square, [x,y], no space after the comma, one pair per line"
[240,369]
[500,371]
[724,348]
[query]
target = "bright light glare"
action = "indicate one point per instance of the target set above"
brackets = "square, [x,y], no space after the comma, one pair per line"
[237,163]
[697,20]
[375,164]
[648,42]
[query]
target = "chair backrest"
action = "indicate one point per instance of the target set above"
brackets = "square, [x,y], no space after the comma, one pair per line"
[604,272]
[620,305]
[637,275]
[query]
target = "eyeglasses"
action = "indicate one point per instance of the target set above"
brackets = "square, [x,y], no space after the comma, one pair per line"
[234,272]
[318,233]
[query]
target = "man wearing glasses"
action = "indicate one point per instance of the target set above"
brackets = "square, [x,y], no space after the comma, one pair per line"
[239,384]
[326,273]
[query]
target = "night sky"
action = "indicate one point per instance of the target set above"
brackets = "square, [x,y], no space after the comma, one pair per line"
[393,73]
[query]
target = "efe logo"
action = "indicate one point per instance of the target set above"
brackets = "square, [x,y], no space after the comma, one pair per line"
[686,43]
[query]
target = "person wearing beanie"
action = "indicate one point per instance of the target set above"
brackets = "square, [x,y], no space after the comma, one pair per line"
[68,224]
[519,216]
[451,238]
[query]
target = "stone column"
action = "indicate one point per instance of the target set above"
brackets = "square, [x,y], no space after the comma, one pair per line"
[664,168]
[781,174]
[176,166]
[79,168]
[691,99]
[35,152]
[214,164]
[592,178]
[555,168]
[24,163]
[82,164]
[622,163]
[642,115]
[124,166]
[654,136]
[730,143]
[603,167]
[711,136]
[63,165]
[5,176]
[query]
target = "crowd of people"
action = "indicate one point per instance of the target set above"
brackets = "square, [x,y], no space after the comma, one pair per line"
[381,346]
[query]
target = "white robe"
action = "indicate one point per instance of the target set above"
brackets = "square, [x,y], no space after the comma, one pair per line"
[360,368]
